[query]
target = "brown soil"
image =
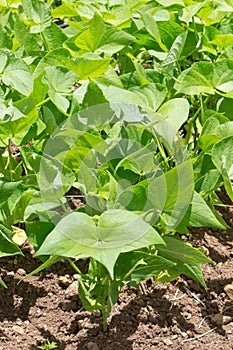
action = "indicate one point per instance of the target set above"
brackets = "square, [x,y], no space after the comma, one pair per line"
[178,315]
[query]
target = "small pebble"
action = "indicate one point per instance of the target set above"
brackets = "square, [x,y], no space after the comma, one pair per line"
[21,272]
[65,280]
[92,346]
[72,290]
[18,329]
[184,334]
[229,290]
[76,276]
[10,273]
[167,341]
[226,319]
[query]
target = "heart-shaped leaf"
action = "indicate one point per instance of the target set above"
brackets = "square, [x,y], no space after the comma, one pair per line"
[118,231]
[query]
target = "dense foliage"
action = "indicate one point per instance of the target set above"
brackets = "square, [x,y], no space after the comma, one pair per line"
[129,106]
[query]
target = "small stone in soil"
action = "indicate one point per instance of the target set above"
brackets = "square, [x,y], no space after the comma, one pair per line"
[65,280]
[167,341]
[72,290]
[92,346]
[18,329]
[229,290]
[21,272]
[10,273]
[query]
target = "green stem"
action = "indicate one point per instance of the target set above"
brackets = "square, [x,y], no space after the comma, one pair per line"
[190,124]
[74,266]
[9,159]
[64,207]
[43,102]
[161,149]
[105,318]
[192,120]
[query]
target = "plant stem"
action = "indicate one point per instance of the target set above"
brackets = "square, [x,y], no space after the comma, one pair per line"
[43,102]
[74,266]
[9,159]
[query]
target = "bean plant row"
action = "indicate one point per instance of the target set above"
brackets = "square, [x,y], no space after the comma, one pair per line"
[116,134]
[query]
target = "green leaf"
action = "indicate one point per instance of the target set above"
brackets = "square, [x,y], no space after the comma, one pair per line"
[3,61]
[136,266]
[7,189]
[5,39]
[175,51]
[85,68]
[223,40]
[151,95]
[90,38]
[94,95]
[7,247]
[100,38]
[37,231]
[54,37]
[205,77]
[118,231]
[223,76]
[169,31]
[178,189]
[65,10]
[222,156]
[202,215]
[38,13]
[90,68]
[24,37]
[175,111]
[209,182]
[2,283]
[196,80]
[60,82]
[18,76]
[168,3]
[177,249]
[152,28]
[14,122]
[206,142]
[54,178]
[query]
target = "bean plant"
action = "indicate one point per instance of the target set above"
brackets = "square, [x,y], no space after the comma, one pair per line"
[116,134]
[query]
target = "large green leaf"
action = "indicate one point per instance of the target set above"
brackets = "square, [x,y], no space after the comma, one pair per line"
[64,10]
[207,77]
[60,82]
[24,37]
[18,76]
[178,189]
[196,80]
[101,38]
[175,111]
[118,231]
[150,96]
[54,37]
[85,68]
[37,13]
[14,122]
[135,266]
